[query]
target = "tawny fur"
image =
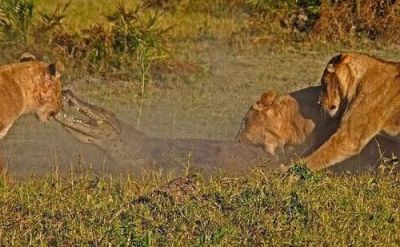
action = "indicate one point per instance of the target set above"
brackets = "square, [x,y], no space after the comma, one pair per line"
[288,120]
[366,90]
[32,86]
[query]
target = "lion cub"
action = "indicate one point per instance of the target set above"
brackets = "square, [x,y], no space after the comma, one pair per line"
[29,86]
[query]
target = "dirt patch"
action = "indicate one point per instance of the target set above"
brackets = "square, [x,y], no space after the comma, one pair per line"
[210,106]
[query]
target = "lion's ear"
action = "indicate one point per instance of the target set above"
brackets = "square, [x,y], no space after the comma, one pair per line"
[55,69]
[25,57]
[267,98]
[331,68]
[345,58]
[339,59]
[257,106]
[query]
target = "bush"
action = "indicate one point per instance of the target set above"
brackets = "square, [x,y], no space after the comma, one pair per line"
[130,39]
[346,20]
[16,19]
[329,20]
[21,23]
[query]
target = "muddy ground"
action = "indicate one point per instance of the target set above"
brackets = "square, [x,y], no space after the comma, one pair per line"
[207,104]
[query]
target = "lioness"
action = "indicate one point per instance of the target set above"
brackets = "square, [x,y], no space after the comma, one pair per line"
[31,86]
[292,121]
[366,92]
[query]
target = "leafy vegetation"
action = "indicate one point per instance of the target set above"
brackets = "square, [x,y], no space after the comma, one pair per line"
[351,20]
[16,19]
[129,38]
[19,22]
[135,33]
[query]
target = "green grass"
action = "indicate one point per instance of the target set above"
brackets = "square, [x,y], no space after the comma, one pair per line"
[259,209]
[220,60]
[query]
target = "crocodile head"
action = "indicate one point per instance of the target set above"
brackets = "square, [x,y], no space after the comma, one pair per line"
[86,122]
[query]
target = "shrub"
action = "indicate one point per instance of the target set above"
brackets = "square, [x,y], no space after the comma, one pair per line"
[130,38]
[21,23]
[16,19]
[346,20]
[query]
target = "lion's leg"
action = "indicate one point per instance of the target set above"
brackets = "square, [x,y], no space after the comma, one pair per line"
[392,127]
[338,148]
[352,136]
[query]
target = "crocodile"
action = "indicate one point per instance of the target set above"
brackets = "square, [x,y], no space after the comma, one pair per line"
[88,138]
[131,149]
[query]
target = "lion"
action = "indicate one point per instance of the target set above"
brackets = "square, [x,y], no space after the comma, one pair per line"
[29,86]
[291,122]
[363,91]
[294,124]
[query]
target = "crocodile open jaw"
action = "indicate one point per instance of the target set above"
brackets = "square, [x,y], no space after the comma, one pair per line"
[98,125]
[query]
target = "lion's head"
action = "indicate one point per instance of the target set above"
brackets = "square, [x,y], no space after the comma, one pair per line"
[46,99]
[49,91]
[273,122]
[335,82]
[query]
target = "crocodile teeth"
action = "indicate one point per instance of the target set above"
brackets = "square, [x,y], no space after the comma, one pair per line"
[91,116]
